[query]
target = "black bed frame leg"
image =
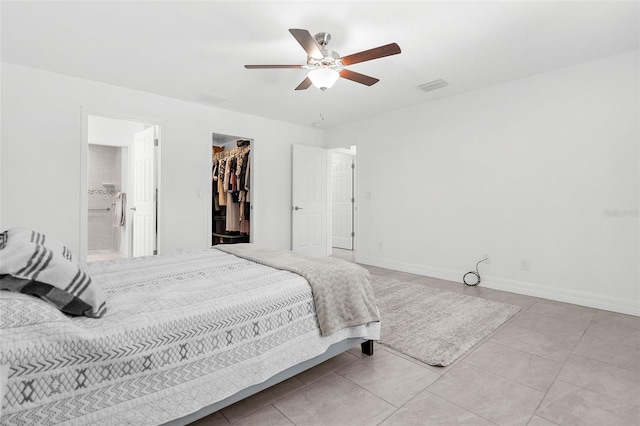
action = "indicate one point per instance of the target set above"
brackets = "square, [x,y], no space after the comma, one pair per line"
[367,347]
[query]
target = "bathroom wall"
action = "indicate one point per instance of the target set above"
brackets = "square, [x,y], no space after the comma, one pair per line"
[104,168]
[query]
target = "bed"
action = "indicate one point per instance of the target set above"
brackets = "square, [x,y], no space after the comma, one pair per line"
[182,335]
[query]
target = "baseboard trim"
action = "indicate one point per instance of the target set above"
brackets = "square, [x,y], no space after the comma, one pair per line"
[591,300]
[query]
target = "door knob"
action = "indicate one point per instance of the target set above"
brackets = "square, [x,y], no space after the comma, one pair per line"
[297,208]
[133,208]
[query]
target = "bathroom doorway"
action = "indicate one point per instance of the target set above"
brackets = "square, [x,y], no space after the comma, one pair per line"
[122,188]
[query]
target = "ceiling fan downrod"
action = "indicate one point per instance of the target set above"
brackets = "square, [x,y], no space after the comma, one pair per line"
[323,39]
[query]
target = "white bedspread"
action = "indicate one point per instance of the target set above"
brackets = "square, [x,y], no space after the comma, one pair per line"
[181,332]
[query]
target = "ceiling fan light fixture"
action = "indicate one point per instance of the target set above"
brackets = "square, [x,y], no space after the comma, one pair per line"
[323,78]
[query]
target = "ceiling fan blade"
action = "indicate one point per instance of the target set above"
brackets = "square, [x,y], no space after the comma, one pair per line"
[308,43]
[375,53]
[358,78]
[306,83]
[255,67]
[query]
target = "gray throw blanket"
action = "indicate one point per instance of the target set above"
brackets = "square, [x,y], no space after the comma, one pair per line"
[341,290]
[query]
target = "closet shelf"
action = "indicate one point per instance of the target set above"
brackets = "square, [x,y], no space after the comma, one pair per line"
[215,234]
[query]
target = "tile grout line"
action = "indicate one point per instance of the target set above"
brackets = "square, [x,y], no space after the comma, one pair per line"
[265,405]
[598,393]
[564,364]
[610,341]
[368,391]
[426,389]
[542,417]
[594,391]
[372,394]
[512,380]
[459,406]
[396,408]
[285,416]
[495,374]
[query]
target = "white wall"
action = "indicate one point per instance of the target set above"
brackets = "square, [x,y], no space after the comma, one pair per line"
[522,170]
[112,132]
[42,135]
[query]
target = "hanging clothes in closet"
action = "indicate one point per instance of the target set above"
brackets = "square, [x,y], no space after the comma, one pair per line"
[230,188]
[244,173]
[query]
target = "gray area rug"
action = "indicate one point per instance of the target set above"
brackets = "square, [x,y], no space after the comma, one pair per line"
[431,325]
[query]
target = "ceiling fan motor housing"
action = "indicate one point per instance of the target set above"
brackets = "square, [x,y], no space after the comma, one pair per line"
[323,39]
[330,58]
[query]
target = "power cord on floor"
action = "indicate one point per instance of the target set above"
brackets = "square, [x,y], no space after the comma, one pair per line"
[476,274]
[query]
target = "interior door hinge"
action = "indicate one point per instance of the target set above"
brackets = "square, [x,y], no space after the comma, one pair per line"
[353,166]
[155,142]
[353,200]
[155,252]
[353,234]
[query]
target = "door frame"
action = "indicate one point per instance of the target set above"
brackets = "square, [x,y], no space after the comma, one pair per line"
[85,112]
[208,191]
[354,184]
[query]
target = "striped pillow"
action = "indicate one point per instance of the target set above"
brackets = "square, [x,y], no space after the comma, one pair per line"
[24,234]
[32,268]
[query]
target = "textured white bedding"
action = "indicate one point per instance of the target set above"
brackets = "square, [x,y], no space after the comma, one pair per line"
[342,292]
[181,332]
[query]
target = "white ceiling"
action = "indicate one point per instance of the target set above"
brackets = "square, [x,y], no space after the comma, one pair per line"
[190,50]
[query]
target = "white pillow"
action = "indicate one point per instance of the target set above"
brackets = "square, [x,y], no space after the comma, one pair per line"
[27,266]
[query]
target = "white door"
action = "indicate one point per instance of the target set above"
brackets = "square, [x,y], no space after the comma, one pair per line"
[144,191]
[309,198]
[342,200]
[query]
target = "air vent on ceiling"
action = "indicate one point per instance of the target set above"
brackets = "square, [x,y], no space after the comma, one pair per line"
[210,98]
[433,85]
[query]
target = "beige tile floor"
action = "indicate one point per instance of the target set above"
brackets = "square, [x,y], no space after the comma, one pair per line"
[105,254]
[551,364]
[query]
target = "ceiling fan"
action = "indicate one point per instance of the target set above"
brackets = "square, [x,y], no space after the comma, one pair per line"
[326,66]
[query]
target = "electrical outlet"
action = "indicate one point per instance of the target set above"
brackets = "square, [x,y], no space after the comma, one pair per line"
[524,264]
[487,257]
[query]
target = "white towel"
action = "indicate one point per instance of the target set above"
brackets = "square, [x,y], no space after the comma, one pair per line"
[119,209]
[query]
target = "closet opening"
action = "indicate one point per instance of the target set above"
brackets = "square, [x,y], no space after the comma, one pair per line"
[231,189]
[343,200]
